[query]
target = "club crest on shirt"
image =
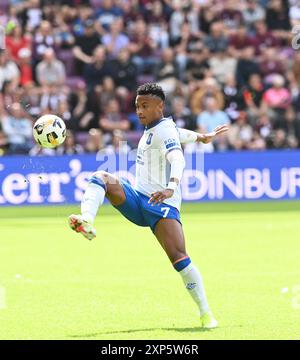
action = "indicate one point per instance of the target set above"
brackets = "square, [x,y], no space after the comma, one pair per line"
[150,136]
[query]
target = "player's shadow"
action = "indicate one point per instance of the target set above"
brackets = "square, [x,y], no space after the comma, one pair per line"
[193,330]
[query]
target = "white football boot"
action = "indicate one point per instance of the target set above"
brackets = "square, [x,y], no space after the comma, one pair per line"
[77,224]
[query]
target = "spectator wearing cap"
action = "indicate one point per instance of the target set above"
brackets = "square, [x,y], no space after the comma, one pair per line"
[85,45]
[50,71]
[115,40]
[216,41]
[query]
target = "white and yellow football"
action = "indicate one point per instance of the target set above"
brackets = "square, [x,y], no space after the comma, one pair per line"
[49,131]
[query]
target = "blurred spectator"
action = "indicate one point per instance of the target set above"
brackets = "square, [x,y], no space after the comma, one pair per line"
[112,118]
[44,38]
[212,116]
[125,71]
[18,129]
[115,40]
[291,127]
[50,71]
[270,63]
[240,133]
[246,66]
[94,142]
[233,96]
[15,41]
[25,66]
[239,40]
[253,94]
[142,47]
[82,116]
[85,46]
[277,17]
[107,14]
[264,38]
[182,115]
[97,69]
[208,88]
[197,64]
[216,41]
[252,13]
[118,144]
[230,15]
[221,64]
[8,71]
[167,71]
[277,97]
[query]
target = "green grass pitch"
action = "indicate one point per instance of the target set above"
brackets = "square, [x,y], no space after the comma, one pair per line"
[54,284]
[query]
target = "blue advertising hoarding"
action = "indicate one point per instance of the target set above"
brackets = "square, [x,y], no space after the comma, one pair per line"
[229,176]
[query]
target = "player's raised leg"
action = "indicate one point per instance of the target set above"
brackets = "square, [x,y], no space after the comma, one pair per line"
[101,184]
[170,235]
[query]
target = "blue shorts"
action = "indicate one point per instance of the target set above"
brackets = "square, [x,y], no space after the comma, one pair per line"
[137,210]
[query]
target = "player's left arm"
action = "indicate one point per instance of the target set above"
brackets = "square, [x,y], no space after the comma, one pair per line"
[188,136]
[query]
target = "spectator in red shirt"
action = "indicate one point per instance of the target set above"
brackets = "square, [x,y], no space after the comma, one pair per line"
[239,41]
[16,41]
[263,38]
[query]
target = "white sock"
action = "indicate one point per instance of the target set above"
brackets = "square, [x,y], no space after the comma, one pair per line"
[93,198]
[193,282]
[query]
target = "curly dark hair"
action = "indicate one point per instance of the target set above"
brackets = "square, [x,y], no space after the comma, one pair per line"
[151,89]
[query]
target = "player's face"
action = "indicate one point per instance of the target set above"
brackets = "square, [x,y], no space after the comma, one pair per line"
[148,108]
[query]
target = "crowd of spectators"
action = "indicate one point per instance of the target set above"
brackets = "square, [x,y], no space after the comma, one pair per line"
[219,61]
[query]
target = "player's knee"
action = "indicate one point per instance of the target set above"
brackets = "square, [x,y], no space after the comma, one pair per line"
[102,175]
[181,262]
[99,178]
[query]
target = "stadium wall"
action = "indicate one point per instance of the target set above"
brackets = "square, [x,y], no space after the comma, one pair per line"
[236,176]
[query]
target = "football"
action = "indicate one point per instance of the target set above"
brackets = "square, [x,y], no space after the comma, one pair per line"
[49,131]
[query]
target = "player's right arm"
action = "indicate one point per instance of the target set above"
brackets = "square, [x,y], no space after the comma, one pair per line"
[188,136]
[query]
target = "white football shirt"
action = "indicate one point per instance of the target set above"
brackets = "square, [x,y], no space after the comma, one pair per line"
[152,167]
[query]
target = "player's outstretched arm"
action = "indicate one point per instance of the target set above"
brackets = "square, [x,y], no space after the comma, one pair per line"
[188,136]
[177,162]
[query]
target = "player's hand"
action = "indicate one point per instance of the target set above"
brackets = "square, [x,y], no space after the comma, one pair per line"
[159,197]
[207,138]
